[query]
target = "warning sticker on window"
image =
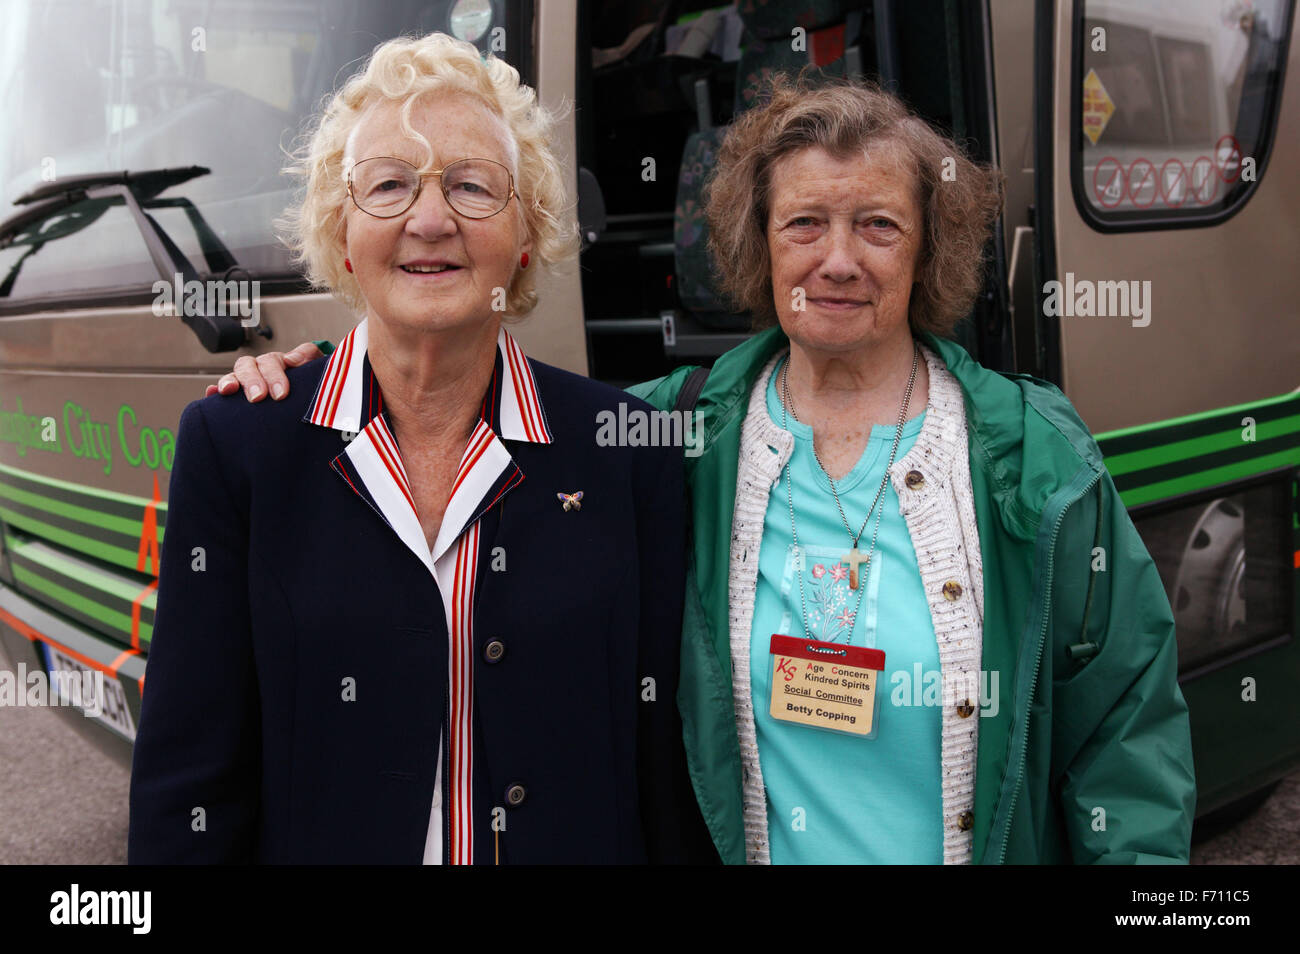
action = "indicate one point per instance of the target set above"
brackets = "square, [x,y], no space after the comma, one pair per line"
[1098,107]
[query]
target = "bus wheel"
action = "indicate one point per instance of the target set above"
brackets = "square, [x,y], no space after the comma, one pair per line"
[1210,589]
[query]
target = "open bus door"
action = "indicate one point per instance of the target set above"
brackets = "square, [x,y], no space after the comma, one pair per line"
[1166,136]
[657,85]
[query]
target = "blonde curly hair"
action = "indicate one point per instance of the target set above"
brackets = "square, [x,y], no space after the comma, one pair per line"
[843,117]
[402,70]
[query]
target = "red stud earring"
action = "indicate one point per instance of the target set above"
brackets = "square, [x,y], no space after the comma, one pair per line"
[347,263]
[523,260]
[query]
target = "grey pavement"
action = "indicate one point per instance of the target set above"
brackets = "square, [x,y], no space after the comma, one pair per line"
[63,801]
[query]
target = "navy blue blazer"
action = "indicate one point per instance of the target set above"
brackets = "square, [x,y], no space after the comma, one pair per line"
[280,581]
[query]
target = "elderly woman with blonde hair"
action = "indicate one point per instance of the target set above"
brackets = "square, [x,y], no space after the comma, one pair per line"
[413,613]
[919,625]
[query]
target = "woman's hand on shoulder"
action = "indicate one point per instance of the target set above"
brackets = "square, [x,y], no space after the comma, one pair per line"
[257,376]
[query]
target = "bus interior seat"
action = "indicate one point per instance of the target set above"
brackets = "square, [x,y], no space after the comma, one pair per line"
[767,49]
[690,229]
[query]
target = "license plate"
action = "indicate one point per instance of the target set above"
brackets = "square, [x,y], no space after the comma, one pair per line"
[106,703]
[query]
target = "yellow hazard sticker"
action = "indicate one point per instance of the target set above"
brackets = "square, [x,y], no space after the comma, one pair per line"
[1098,107]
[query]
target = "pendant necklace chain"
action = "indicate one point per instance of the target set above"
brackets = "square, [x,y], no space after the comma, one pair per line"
[854,556]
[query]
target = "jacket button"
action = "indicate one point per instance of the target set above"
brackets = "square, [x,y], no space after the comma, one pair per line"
[964,708]
[515,795]
[914,480]
[966,820]
[494,650]
[951,590]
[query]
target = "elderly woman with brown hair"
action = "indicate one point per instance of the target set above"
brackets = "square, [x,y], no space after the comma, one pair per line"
[899,644]
[919,625]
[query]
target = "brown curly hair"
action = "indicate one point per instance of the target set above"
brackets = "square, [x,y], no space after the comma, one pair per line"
[843,117]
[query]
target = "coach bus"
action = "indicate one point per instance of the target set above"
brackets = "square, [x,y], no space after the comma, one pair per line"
[1146,264]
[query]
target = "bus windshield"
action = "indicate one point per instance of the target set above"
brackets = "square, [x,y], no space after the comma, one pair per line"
[92,86]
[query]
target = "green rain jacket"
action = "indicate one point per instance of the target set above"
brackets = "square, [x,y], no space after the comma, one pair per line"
[1089,758]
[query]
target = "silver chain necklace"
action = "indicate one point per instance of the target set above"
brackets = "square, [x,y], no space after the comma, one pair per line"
[854,556]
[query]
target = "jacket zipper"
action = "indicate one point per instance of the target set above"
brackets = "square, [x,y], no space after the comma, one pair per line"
[1038,658]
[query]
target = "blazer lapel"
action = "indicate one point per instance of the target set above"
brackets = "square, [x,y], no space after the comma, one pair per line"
[373,469]
[487,472]
[372,466]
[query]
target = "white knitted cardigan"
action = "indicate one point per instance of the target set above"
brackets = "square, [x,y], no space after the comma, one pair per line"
[938,508]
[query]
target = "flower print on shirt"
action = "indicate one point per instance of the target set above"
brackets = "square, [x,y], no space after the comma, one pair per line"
[830,612]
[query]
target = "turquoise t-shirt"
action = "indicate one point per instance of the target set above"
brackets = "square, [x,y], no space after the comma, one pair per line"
[835,798]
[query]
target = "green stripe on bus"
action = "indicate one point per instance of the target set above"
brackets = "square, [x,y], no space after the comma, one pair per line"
[113,601]
[73,541]
[80,488]
[1198,416]
[1208,478]
[87,622]
[92,531]
[96,518]
[1197,446]
[36,576]
[106,601]
[118,623]
[1246,451]
[86,496]
[90,576]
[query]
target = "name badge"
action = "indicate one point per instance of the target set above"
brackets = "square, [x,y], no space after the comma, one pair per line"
[826,685]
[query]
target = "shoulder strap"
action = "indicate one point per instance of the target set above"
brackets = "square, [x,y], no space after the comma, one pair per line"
[691,388]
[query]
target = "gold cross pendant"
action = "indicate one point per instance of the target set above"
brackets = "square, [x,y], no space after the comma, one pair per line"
[853,558]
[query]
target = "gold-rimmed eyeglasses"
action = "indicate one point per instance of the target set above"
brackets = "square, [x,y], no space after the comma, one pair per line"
[385,186]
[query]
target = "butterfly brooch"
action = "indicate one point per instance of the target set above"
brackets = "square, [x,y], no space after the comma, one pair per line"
[571,501]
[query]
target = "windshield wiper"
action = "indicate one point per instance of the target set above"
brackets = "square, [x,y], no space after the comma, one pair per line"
[39,233]
[136,190]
